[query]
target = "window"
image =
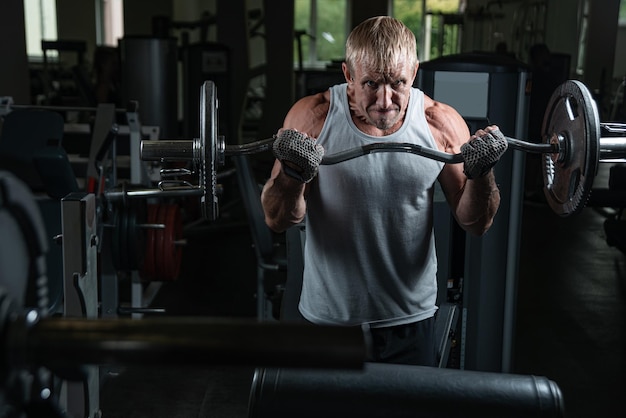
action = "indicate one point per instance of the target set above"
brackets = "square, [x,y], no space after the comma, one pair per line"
[320,30]
[435,23]
[40,18]
[321,27]
[41,24]
[112,18]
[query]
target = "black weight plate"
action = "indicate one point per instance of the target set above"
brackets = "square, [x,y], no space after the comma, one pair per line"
[572,120]
[159,244]
[23,268]
[115,239]
[136,213]
[120,240]
[148,269]
[170,252]
[208,149]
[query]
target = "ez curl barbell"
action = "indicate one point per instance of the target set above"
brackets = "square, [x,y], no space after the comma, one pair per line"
[572,147]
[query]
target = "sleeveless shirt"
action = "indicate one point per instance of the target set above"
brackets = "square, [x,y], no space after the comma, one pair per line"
[369,255]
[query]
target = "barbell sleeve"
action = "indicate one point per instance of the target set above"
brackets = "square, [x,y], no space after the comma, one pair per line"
[612,148]
[169,150]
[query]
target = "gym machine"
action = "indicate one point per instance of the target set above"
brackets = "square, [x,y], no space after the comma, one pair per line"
[97,149]
[68,164]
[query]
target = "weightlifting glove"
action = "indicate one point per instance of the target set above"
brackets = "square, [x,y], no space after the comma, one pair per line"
[482,152]
[301,153]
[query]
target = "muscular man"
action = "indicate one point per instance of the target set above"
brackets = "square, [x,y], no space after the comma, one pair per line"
[370,252]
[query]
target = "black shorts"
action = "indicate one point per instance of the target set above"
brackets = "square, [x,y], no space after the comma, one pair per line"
[405,344]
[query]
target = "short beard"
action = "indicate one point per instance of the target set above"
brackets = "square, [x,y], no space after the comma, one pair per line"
[383,124]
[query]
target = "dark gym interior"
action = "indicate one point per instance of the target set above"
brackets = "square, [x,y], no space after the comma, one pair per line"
[139,279]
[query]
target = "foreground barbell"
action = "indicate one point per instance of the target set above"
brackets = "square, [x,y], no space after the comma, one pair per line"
[571,145]
[27,338]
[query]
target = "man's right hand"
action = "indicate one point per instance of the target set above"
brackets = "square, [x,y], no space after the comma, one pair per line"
[298,153]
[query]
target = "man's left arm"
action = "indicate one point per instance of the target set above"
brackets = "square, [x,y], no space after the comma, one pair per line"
[470,187]
[475,205]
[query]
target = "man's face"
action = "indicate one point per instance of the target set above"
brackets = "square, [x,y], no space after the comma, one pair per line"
[380,99]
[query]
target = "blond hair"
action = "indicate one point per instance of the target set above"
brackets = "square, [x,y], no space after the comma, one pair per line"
[381,42]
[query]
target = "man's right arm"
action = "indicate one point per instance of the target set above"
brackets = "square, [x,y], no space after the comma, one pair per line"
[283,196]
[283,200]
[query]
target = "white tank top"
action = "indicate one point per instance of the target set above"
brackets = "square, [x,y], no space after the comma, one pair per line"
[369,252]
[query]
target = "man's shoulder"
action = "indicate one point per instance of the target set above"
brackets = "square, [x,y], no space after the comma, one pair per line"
[309,113]
[315,105]
[446,124]
[317,99]
[438,111]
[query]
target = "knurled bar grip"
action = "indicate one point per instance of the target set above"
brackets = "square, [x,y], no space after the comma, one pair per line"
[169,150]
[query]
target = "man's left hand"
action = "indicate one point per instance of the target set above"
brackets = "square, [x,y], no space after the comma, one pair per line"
[483,151]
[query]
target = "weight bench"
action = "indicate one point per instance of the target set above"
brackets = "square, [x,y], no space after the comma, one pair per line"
[399,391]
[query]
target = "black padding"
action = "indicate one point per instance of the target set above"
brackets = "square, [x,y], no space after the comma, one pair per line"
[394,391]
[24,133]
[55,170]
[17,200]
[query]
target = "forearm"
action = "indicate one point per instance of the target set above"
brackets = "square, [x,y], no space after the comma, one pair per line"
[478,204]
[283,200]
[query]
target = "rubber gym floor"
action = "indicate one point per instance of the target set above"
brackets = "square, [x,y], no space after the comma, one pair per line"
[570,324]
